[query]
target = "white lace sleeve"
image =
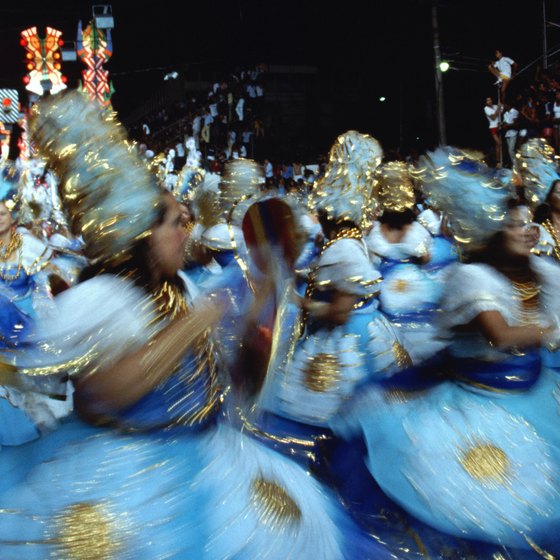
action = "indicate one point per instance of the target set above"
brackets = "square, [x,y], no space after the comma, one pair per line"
[549,275]
[545,244]
[472,289]
[418,240]
[345,266]
[94,324]
[34,254]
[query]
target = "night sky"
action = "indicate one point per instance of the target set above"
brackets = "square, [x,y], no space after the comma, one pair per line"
[368,49]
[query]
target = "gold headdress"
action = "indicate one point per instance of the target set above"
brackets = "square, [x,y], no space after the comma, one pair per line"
[393,188]
[109,195]
[344,190]
[240,185]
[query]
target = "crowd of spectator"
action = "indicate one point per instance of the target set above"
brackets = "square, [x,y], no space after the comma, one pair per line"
[224,123]
[528,107]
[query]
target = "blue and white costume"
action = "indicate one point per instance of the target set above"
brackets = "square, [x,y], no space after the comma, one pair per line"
[475,452]
[409,295]
[168,477]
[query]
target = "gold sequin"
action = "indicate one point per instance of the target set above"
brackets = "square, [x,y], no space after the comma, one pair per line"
[274,505]
[402,358]
[486,463]
[86,532]
[322,372]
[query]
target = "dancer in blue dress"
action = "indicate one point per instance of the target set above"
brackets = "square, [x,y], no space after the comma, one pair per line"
[157,470]
[474,436]
[335,337]
[23,295]
[401,248]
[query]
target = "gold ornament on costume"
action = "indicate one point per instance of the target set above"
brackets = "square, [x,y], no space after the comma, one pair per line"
[13,248]
[344,191]
[549,226]
[400,285]
[527,293]
[111,198]
[86,531]
[402,357]
[486,463]
[275,507]
[537,165]
[393,187]
[322,372]
[169,301]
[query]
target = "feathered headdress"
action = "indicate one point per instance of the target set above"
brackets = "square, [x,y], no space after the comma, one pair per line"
[109,195]
[537,164]
[393,187]
[240,185]
[344,190]
[472,196]
[204,200]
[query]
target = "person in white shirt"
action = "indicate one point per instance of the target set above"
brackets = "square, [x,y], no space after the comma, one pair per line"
[180,157]
[197,127]
[239,108]
[510,125]
[556,117]
[502,69]
[492,112]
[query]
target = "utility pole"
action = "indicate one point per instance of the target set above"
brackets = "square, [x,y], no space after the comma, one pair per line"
[545,46]
[442,136]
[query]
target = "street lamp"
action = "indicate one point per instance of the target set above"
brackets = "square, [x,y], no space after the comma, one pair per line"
[442,136]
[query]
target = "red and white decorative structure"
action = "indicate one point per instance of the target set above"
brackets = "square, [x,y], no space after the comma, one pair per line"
[94,50]
[43,61]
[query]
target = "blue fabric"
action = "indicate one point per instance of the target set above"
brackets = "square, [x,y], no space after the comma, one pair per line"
[416,426]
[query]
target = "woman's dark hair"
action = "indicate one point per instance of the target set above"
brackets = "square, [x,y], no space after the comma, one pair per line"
[136,267]
[494,254]
[397,220]
[543,212]
[329,224]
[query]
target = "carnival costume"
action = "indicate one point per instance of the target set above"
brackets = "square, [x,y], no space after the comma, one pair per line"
[537,165]
[317,365]
[166,477]
[409,295]
[472,436]
[24,295]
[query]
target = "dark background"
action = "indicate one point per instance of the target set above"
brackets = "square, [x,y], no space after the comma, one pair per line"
[360,50]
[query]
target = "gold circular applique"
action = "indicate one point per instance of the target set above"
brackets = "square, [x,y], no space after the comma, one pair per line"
[486,463]
[322,372]
[275,507]
[400,285]
[85,532]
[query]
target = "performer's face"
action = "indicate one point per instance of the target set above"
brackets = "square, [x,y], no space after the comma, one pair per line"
[6,220]
[518,238]
[554,199]
[167,242]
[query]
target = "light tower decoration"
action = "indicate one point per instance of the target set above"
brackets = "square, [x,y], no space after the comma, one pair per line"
[94,50]
[43,61]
